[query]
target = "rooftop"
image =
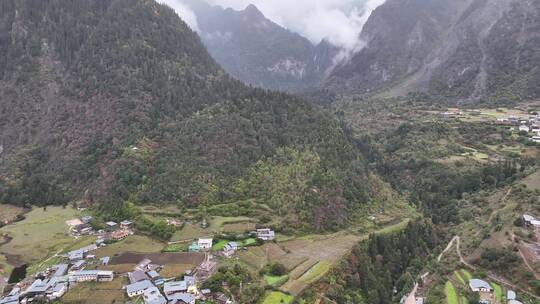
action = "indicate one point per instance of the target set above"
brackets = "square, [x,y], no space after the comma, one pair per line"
[174,287]
[183,296]
[528,217]
[153,274]
[153,296]
[60,270]
[479,284]
[139,286]
[137,276]
[92,272]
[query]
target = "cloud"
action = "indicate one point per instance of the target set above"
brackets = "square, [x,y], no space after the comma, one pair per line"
[338,21]
[184,12]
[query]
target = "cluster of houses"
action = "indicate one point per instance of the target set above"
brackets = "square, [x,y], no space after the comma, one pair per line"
[205,244]
[531,125]
[487,293]
[531,221]
[113,232]
[146,282]
[526,123]
[55,281]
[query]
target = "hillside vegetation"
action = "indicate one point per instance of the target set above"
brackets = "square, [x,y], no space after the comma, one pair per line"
[117,101]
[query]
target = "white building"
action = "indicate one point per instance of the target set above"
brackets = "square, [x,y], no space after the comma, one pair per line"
[524,128]
[91,275]
[266,234]
[479,285]
[205,243]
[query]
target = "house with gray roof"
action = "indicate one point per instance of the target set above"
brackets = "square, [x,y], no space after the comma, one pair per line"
[137,276]
[479,285]
[138,288]
[10,300]
[79,265]
[153,296]
[38,287]
[230,248]
[59,270]
[181,298]
[170,288]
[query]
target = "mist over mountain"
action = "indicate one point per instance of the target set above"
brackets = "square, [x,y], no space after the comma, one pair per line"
[258,51]
[467,49]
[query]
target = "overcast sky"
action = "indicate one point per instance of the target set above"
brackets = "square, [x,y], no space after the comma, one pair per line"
[339,21]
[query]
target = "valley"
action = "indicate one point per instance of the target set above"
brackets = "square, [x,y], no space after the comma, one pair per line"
[200,154]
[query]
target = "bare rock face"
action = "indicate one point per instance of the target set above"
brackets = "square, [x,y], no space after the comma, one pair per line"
[468,49]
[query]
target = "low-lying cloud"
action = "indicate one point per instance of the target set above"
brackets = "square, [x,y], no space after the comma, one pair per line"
[184,12]
[338,21]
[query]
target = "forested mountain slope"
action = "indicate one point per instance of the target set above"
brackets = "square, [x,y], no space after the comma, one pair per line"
[468,49]
[110,101]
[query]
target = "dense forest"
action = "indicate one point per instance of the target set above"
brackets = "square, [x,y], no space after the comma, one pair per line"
[383,268]
[129,107]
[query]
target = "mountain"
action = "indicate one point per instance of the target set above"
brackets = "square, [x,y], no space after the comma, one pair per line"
[466,49]
[258,51]
[115,101]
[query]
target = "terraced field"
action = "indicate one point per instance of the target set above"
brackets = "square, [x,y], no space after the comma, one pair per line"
[451,294]
[276,297]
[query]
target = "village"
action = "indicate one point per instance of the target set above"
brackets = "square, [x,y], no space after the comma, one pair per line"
[145,281]
[527,124]
[487,290]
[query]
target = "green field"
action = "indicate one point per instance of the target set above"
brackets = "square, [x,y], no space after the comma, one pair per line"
[451,295]
[497,289]
[96,293]
[466,274]
[276,297]
[315,272]
[275,280]
[243,243]
[459,277]
[532,181]
[219,245]
[192,231]
[42,234]
[133,243]
[175,248]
